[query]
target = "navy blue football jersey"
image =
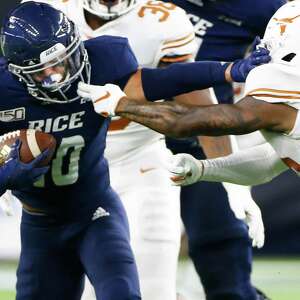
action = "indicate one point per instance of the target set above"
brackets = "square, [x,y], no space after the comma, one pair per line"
[78,179]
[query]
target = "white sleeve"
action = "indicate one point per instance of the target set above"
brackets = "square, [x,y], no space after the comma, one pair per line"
[251,166]
[178,34]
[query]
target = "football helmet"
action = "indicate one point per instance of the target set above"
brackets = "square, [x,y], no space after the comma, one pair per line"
[282,37]
[108,9]
[44,50]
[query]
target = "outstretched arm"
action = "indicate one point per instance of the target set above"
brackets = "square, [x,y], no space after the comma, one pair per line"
[179,120]
[180,78]
[252,166]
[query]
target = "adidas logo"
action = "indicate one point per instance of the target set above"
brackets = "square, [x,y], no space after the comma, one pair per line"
[99,213]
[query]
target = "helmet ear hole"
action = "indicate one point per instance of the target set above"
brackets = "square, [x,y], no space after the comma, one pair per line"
[289,57]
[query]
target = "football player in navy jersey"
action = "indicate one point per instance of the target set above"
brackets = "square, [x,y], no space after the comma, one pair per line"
[224,30]
[73,223]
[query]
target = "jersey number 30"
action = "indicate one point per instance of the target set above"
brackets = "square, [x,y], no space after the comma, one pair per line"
[157,7]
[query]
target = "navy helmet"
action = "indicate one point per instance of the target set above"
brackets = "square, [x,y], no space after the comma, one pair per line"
[35,37]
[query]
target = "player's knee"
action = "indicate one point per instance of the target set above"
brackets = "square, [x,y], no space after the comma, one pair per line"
[119,289]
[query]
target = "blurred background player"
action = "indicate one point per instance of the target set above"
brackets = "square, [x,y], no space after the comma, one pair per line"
[136,151]
[218,242]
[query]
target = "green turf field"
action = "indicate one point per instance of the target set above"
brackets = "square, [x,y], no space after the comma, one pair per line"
[7,295]
[279,278]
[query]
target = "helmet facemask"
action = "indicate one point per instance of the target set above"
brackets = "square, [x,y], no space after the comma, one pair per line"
[108,9]
[71,62]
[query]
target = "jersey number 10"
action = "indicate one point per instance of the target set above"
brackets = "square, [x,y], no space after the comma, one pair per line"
[69,146]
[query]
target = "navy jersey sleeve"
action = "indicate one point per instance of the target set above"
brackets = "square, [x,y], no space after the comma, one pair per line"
[128,66]
[13,98]
[112,60]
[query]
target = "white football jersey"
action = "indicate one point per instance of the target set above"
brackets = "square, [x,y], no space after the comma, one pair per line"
[279,83]
[157,32]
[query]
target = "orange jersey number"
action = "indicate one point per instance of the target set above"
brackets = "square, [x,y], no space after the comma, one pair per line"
[157,7]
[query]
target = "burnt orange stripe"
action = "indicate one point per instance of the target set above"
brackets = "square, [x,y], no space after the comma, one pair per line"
[177,46]
[118,124]
[287,20]
[274,96]
[177,58]
[107,95]
[274,90]
[181,39]
[291,164]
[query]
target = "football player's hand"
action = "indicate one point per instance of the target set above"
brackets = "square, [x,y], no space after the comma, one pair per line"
[184,169]
[245,208]
[105,98]
[240,68]
[15,174]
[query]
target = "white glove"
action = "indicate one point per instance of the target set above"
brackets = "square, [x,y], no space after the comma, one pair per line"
[105,98]
[184,169]
[245,208]
[5,204]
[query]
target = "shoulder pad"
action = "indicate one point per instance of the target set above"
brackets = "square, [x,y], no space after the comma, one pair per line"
[179,36]
[275,83]
[171,26]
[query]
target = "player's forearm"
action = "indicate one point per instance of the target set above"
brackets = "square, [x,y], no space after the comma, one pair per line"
[179,120]
[160,117]
[182,78]
[186,77]
[253,166]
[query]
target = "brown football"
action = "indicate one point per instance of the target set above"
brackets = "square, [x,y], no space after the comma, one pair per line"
[33,143]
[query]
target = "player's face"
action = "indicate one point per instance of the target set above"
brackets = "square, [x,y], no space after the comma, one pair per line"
[51,74]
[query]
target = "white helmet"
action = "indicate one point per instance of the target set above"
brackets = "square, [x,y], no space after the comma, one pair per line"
[282,35]
[108,9]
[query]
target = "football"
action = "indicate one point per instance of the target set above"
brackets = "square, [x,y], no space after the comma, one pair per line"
[33,143]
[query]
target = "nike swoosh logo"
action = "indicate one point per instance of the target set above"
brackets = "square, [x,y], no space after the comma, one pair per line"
[145,170]
[107,95]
